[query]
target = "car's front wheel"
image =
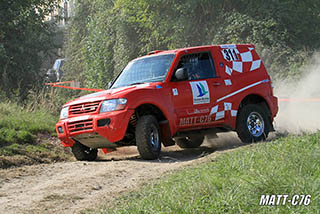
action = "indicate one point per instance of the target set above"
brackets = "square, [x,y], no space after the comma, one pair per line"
[84,153]
[148,137]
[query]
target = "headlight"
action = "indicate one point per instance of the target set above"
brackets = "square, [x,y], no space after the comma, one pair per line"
[113,105]
[64,113]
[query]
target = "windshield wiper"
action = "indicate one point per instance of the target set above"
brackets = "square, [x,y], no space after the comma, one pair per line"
[137,83]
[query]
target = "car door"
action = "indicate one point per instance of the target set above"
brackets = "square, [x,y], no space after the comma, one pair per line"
[194,97]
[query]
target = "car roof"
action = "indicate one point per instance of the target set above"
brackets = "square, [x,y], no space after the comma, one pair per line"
[158,52]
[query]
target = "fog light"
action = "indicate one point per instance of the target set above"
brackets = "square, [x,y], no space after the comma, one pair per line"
[60,130]
[103,122]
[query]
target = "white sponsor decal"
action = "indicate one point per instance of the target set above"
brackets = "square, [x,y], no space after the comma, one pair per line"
[237,66]
[246,56]
[85,117]
[214,110]
[228,70]
[221,114]
[228,46]
[195,120]
[239,60]
[200,92]
[198,111]
[242,89]
[230,54]
[255,65]
[227,106]
[175,91]
[228,82]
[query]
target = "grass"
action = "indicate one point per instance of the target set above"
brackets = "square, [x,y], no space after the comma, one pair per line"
[25,136]
[234,182]
[27,127]
[20,126]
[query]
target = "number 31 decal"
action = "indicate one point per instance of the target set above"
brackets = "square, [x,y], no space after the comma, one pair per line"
[230,54]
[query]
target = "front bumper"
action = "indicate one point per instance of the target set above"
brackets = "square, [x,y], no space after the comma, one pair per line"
[95,131]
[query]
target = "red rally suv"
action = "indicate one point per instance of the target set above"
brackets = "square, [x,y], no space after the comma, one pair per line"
[174,97]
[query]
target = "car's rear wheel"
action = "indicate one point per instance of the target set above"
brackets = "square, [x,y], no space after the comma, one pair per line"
[253,124]
[84,153]
[148,137]
[189,142]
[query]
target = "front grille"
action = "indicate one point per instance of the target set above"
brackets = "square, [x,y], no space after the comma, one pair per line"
[81,125]
[83,108]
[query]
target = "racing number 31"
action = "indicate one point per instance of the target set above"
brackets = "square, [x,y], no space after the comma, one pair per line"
[230,54]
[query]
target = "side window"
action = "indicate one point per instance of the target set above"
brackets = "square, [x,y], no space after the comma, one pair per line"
[198,65]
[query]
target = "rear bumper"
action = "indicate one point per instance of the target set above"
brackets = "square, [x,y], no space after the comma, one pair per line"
[95,131]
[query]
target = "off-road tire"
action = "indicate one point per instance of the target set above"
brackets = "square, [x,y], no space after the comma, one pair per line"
[84,153]
[250,116]
[148,137]
[189,142]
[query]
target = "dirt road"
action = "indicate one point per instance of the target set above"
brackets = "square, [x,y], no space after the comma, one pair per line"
[69,187]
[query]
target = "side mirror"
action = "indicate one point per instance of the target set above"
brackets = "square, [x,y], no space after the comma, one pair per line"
[181,74]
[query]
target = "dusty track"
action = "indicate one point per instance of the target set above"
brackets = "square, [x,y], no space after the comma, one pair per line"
[70,187]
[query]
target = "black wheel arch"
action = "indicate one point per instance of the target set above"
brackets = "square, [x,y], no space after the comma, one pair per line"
[254,99]
[257,100]
[151,109]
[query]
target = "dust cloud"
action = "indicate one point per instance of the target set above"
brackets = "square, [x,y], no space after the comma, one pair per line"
[302,114]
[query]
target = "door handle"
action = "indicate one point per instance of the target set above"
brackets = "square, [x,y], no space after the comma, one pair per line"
[216,83]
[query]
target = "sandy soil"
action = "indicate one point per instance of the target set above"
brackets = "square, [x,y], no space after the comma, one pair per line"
[70,187]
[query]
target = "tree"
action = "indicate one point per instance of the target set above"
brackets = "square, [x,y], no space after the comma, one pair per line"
[25,39]
[117,31]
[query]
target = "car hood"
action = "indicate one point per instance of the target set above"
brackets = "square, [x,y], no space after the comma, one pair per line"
[109,94]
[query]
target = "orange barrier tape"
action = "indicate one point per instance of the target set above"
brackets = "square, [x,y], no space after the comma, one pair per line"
[300,100]
[58,84]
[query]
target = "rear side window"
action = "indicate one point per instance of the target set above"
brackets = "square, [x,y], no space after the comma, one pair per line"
[198,65]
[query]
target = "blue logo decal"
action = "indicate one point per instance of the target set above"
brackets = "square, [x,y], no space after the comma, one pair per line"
[202,91]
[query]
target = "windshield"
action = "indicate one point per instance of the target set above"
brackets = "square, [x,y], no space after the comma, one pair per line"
[144,70]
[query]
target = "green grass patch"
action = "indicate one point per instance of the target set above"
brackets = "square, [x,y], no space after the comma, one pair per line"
[25,136]
[15,148]
[17,125]
[233,182]
[46,151]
